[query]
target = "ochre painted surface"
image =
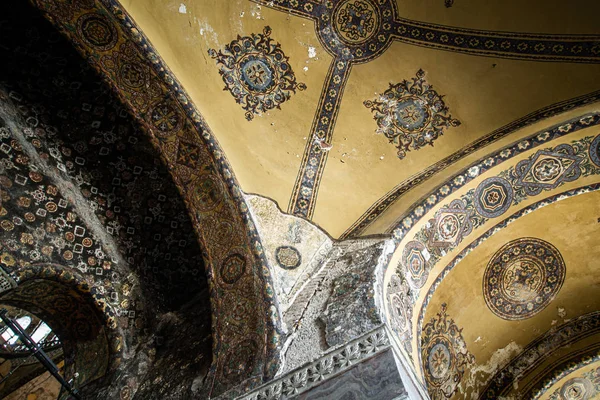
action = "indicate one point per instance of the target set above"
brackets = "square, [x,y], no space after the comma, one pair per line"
[483,93]
[571,226]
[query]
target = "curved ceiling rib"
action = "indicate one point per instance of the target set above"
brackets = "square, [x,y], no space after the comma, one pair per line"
[237,271]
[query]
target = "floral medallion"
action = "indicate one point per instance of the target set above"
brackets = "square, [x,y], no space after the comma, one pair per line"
[411,114]
[97,31]
[415,263]
[355,21]
[522,278]
[546,170]
[257,73]
[493,197]
[233,268]
[288,257]
[401,309]
[445,355]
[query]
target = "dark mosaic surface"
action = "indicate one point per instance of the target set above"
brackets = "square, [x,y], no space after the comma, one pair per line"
[77,125]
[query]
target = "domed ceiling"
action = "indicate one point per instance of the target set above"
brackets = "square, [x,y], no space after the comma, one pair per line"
[466,130]
[346,111]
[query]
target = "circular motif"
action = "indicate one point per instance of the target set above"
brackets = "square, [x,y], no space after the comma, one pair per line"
[165,117]
[288,257]
[132,75]
[415,263]
[207,192]
[595,151]
[577,389]
[448,227]
[439,359]
[522,278]
[239,361]
[546,169]
[493,197]
[233,268]
[411,115]
[257,74]
[97,31]
[356,21]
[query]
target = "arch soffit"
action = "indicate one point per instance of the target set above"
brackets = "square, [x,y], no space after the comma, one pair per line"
[462,187]
[114,45]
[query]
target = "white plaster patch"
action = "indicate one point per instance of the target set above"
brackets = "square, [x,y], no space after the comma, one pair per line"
[208,32]
[305,69]
[497,361]
[182,9]
[312,52]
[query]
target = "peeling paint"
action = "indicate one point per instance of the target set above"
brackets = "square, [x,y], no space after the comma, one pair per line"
[497,361]
[182,9]
[312,52]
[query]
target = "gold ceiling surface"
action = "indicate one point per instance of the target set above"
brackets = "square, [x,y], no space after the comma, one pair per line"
[466,84]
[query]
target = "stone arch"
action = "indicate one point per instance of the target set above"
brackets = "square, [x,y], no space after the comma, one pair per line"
[76,312]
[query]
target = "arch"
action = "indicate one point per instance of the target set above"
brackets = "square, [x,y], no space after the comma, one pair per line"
[77,314]
[111,41]
[423,259]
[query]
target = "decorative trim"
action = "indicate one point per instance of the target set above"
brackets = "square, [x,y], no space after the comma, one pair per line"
[6,281]
[311,375]
[487,234]
[379,26]
[390,198]
[539,350]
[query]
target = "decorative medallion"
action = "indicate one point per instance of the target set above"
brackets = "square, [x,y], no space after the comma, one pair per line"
[401,310]
[450,225]
[256,72]
[188,154]
[288,257]
[411,114]
[355,21]
[233,268]
[595,151]
[493,197]
[165,118]
[97,31]
[548,169]
[239,360]
[577,389]
[414,260]
[522,278]
[207,192]
[445,355]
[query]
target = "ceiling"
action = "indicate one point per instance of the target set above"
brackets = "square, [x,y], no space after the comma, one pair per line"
[267,153]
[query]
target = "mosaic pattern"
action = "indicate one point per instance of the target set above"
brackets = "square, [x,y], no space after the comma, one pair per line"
[355,20]
[257,73]
[493,197]
[584,388]
[373,26]
[540,350]
[547,170]
[288,257]
[522,278]
[445,354]
[381,205]
[143,81]
[413,258]
[411,114]
[399,298]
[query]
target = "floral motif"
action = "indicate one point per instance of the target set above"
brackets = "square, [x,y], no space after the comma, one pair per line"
[522,278]
[356,20]
[411,114]
[445,355]
[257,73]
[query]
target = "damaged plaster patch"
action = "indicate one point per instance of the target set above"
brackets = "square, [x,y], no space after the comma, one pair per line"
[182,9]
[208,32]
[312,52]
[497,361]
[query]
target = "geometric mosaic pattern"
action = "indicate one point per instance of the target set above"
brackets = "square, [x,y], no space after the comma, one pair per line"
[257,73]
[411,114]
[445,355]
[522,278]
[586,387]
